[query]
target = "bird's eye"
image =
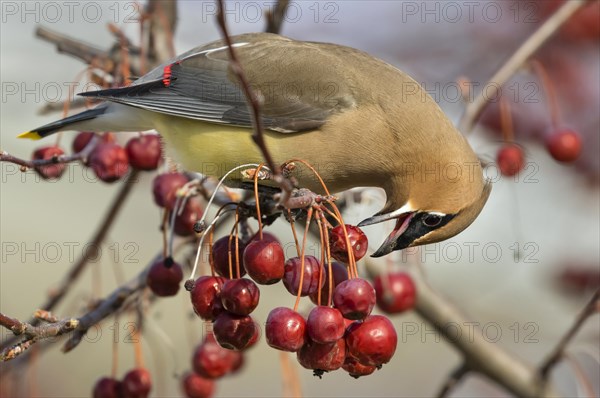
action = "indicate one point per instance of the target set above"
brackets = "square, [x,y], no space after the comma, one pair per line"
[432,220]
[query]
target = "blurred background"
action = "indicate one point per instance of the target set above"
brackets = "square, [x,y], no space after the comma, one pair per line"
[522,271]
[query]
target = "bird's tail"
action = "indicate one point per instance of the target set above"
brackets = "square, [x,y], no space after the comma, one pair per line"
[63,124]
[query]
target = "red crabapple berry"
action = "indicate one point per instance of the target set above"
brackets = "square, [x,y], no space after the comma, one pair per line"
[266,237]
[264,260]
[205,296]
[164,277]
[240,296]
[196,386]
[510,159]
[220,255]
[564,145]
[184,222]
[81,140]
[337,243]
[285,329]
[107,387]
[325,325]
[165,186]
[234,332]
[137,383]
[109,162]
[312,270]
[354,298]
[322,357]
[373,341]
[395,292]
[50,171]
[212,361]
[144,152]
[357,369]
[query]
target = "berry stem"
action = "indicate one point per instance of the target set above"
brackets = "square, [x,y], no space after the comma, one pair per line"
[208,229]
[137,346]
[220,183]
[351,262]
[328,254]
[164,228]
[549,90]
[293,225]
[308,220]
[183,194]
[211,260]
[320,225]
[506,120]
[237,245]
[115,350]
[258,216]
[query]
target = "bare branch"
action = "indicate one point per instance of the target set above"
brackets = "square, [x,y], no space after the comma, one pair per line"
[479,354]
[29,164]
[254,103]
[78,49]
[162,25]
[275,16]
[455,377]
[33,333]
[526,50]
[590,308]
[107,307]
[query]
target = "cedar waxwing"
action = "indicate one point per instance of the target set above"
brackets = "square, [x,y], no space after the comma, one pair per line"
[358,120]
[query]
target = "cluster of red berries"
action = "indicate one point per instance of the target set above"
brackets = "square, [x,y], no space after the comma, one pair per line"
[137,383]
[109,160]
[340,334]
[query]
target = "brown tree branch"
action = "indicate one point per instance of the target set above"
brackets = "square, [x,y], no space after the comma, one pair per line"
[255,105]
[556,355]
[33,333]
[76,48]
[451,382]
[107,307]
[275,16]
[479,354]
[520,56]
[29,164]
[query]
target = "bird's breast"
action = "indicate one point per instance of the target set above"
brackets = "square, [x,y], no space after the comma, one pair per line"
[214,149]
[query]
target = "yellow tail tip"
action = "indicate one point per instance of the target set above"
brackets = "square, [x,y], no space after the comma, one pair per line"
[32,135]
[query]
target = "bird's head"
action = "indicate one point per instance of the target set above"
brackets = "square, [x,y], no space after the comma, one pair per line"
[431,216]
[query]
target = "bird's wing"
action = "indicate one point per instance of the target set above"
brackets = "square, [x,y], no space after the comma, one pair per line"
[298,88]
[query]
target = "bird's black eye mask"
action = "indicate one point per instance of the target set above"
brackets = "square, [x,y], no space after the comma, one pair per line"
[421,224]
[411,226]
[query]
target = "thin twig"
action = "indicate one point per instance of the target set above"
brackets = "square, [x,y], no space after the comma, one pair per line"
[107,307]
[62,159]
[74,47]
[33,333]
[453,379]
[590,308]
[526,50]
[275,16]
[255,105]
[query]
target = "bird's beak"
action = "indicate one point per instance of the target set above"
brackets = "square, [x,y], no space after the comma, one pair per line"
[391,243]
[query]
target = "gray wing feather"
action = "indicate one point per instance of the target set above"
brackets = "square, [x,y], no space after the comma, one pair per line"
[200,87]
